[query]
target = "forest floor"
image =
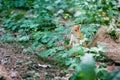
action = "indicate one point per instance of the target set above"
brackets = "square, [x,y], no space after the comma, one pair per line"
[19,66]
[15,65]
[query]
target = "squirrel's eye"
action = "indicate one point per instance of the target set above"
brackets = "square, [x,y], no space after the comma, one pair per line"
[75,30]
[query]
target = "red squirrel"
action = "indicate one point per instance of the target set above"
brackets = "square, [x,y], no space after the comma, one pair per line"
[76,36]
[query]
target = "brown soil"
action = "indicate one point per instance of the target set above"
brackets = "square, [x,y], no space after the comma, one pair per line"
[4,74]
[15,65]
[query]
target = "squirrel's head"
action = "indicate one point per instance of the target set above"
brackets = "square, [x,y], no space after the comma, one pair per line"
[75,30]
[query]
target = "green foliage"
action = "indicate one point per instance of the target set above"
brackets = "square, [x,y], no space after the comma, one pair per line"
[97,11]
[85,69]
[40,26]
[89,30]
[19,61]
[7,37]
[114,75]
[16,3]
[102,75]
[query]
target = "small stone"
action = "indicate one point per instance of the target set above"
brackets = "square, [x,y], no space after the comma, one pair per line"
[13,74]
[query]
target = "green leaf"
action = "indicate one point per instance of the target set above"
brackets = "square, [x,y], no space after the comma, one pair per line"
[19,61]
[102,74]
[23,38]
[86,69]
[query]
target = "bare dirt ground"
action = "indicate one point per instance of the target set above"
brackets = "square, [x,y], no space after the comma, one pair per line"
[17,66]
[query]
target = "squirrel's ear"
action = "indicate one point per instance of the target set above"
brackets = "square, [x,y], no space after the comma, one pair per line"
[78,26]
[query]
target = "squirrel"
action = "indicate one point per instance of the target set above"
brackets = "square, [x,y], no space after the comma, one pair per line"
[76,36]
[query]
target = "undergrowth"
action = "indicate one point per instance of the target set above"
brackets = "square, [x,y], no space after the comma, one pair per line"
[44,25]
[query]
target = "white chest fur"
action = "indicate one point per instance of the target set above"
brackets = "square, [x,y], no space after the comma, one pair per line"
[74,40]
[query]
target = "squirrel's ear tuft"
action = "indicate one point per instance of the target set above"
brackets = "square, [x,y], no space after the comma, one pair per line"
[78,26]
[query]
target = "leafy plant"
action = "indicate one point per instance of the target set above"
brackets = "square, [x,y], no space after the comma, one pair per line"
[85,69]
[40,26]
[114,75]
